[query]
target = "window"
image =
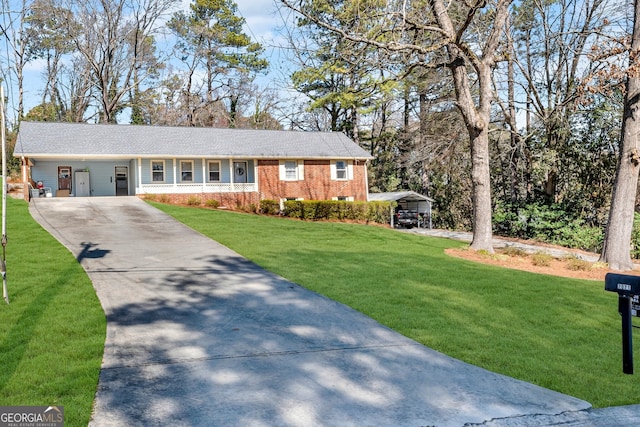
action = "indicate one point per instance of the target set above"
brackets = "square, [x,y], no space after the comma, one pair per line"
[291,170]
[186,170]
[341,169]
[157,170]
[214,171]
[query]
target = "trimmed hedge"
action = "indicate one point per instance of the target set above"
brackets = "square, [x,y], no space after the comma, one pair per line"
[269,207]
[318,210]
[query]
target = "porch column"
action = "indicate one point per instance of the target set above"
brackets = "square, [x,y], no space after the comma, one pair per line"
[255,177]
[204,176]
[175,176]
[139,177]
[231,177]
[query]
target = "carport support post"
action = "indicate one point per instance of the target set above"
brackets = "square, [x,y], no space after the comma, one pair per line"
[624,307]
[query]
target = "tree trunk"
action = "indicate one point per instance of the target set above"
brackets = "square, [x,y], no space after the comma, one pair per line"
[481,179]
[477,122]
[616,249]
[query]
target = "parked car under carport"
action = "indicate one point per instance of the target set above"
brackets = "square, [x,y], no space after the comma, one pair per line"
[407,201]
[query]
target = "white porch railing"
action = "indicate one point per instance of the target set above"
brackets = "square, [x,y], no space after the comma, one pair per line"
[197,188]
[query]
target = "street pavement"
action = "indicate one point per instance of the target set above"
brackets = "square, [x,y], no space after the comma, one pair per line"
[199,336]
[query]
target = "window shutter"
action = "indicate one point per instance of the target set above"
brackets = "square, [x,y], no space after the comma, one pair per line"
[333,170]
[350,170]
[283,173]
[301,170]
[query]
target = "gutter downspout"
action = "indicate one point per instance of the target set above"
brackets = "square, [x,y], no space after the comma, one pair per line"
[366,179]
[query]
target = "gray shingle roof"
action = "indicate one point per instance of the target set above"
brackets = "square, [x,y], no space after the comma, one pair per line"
[398,195]
[45,139]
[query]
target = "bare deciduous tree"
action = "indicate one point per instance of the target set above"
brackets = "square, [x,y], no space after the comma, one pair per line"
[114,38]
[434,34]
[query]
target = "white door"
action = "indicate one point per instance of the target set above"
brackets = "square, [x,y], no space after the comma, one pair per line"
[81,184]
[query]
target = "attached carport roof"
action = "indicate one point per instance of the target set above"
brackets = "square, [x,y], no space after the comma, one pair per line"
[409,196]
[68,140]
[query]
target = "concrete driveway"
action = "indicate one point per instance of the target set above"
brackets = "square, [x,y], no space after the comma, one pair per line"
[199,336]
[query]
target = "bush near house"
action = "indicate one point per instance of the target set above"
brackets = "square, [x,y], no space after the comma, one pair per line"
[315,210]
[269,207]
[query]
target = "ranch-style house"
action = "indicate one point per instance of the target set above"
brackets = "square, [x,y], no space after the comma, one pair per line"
[236,167]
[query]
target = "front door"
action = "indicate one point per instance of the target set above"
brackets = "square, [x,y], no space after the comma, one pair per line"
[122,181]
[64,178]
[240,172]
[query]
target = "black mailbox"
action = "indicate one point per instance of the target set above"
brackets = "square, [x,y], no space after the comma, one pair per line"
[628,289]
[622,284]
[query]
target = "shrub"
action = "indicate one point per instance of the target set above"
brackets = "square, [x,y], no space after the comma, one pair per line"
[380,212]
[512,251]
[577,264]
[635,237]
[315,210]
[269,207]
[194,201]
[599,265]
[547,223]
[212,203]
[294,209]
[164,198]
[542,259]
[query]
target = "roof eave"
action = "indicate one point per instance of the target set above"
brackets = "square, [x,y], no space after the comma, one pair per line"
[180,156]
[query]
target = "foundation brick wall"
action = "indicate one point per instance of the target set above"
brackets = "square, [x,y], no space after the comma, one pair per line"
[229,200]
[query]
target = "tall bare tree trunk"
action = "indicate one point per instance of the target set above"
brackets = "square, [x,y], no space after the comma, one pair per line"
[481,180]
[476,116]
[616,249]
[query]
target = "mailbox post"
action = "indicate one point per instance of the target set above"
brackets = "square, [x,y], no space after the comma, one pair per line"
[628,289]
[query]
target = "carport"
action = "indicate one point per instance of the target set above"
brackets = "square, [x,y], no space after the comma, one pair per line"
[408,200]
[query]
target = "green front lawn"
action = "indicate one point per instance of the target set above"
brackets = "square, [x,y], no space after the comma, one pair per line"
[52,332]
[559,333]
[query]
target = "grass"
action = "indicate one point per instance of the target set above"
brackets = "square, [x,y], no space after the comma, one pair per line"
[52,332]
[559,333]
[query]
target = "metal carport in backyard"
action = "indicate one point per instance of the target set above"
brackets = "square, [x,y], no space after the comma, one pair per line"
[408,200]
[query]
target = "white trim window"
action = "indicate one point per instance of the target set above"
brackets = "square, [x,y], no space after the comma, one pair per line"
[157,171]
[341,170]
[186,170]
[343,198]
[291,170]
[214,171]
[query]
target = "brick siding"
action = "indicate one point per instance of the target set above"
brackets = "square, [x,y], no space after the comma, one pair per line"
[316,185]
[242,201]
